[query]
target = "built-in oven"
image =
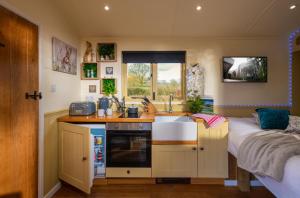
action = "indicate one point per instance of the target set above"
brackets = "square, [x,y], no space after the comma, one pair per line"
[128,145]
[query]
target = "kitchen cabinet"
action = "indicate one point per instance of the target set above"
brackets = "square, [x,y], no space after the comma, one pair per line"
[78,165]
[212,151]
[174,161]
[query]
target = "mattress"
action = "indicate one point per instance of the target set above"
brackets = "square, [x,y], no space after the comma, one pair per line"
[289,187]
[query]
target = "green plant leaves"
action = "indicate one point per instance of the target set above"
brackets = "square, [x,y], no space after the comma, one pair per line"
[109,86]
[195,105]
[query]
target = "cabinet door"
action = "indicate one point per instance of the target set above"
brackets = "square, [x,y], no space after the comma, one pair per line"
[174,161]
[212,153]
[75,156]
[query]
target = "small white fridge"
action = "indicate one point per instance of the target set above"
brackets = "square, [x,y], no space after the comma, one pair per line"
[82,154]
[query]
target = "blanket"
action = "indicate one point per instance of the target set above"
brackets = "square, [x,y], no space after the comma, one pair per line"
[211,120]
[266,153]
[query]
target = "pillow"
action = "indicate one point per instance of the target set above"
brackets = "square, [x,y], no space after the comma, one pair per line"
[294,124]
[273,118]
[255,116]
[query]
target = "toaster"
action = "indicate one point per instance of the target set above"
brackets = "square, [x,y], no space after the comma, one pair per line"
[82,108]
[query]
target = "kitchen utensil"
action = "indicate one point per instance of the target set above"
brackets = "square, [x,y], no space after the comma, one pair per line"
[133,109]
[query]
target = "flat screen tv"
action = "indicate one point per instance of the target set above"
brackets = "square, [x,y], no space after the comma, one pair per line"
[245,69]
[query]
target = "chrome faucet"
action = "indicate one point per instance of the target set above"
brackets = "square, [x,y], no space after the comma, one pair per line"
[171,97]
[121,106]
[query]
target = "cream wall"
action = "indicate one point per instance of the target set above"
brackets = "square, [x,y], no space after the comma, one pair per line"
[208,52]
[51,23]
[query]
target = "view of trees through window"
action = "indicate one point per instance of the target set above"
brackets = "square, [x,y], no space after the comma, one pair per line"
[140,81]
[169,80]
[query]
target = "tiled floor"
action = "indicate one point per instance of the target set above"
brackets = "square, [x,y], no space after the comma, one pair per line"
[163,191]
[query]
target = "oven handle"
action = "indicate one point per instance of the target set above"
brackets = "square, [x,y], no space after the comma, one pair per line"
[123,133]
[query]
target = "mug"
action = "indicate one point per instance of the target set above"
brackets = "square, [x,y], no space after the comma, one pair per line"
[101,112]
[109,112]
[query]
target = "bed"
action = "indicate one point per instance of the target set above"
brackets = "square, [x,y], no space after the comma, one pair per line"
[289,187]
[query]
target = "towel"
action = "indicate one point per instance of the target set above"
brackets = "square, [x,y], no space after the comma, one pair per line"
[211,120]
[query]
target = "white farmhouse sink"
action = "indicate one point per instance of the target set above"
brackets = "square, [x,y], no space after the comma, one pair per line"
[174,128]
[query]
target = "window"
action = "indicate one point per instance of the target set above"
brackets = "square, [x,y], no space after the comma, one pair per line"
[156,81]
[139,79]
[169,80]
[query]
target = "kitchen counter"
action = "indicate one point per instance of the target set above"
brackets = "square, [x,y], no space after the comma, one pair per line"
[145,117]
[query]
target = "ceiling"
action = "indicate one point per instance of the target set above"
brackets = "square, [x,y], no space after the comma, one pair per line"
[179,18]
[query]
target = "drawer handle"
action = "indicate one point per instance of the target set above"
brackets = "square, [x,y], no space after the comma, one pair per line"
[128,171]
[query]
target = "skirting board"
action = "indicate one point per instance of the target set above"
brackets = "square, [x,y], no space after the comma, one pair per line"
[253,183]
[53,190]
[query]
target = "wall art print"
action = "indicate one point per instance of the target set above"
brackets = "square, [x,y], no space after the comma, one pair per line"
[64,57]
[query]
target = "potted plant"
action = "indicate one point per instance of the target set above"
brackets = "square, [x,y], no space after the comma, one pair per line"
[90,70]
[108,89]
[106,51]
[108,86]
[195,104]
[102,51]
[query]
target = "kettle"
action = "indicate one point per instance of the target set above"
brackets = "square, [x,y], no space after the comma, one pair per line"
[103,103]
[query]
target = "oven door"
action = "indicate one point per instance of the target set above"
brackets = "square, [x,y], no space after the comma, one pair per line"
[128,149]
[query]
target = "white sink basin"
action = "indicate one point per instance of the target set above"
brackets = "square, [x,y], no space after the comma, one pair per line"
[174,128]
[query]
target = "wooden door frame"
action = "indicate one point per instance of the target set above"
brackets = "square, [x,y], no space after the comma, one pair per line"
[41,133]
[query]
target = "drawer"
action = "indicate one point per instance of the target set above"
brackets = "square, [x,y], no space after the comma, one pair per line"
[128,172]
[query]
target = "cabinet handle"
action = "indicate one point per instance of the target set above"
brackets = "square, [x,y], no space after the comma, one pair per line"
[84,158]
[194,148]
[128,171]
[202,148]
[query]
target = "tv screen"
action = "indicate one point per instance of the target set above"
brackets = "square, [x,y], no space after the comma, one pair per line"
[245,69]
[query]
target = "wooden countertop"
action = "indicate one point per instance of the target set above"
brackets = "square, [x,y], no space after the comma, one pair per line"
[145,117]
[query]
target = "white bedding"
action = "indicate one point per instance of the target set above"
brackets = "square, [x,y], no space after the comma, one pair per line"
[289,187]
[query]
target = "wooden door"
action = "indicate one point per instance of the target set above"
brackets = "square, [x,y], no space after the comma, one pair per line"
[212,151]
[75,156]
[18,116]
[174,161]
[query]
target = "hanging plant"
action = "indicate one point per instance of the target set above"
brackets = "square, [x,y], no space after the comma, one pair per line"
[108,86]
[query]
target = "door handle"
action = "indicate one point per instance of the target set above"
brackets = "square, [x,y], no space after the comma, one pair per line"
[35,96]
[2,45]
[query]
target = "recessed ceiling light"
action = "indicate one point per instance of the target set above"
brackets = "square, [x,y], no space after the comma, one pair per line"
[106,8]
[198,8]
[292,7]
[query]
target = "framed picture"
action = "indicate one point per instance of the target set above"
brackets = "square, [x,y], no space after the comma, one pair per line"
[64,57]
[92,88]
[109,70]
[245,69]
[106,52]
[108,86]
[90,71]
